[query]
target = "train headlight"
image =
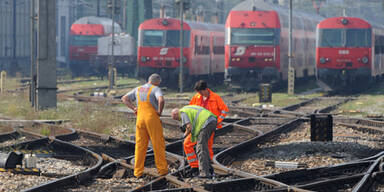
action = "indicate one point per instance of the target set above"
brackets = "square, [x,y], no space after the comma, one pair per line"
[323,60]
[238,59]
[365,60]
[143,59]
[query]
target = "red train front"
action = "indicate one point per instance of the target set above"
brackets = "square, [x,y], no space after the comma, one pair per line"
[83,41]
[252,50]
[345,53]
[159,51]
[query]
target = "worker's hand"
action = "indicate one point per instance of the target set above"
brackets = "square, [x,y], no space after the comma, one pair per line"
[187,131]
[158,113]
[182,128]
[135,110]
[185,135]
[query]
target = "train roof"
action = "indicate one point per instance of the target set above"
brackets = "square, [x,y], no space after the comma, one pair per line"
[174,24]
[344,22]
[93,21]
[253,19]
[261,5]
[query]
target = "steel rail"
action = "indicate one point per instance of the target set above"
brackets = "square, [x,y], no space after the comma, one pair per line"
[71,180]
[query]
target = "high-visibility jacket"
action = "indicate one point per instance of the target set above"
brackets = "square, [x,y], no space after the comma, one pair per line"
[198,117]
[214,104]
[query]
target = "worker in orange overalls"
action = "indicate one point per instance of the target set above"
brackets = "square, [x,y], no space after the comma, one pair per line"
[150,104]
[212,102]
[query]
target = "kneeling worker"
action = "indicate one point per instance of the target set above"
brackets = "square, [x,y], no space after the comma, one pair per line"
[200,124]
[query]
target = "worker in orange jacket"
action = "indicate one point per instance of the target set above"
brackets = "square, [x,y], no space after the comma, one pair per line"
[212,102]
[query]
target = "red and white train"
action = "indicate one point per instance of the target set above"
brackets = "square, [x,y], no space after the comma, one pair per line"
[349,53]
[159,50]
[256,48]
[83,41]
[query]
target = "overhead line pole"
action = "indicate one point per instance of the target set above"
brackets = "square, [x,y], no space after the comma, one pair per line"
[14,15]
[181,76]
[46,86]
[112,58]
[291,71]
[32,93]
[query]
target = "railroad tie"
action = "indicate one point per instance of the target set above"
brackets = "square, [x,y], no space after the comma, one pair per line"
[23,171]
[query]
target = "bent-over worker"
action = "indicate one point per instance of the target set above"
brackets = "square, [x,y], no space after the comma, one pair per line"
[150,104]
[199,126]
[212,102]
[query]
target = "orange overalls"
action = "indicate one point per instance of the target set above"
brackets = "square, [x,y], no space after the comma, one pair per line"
[148,126]
[216,105]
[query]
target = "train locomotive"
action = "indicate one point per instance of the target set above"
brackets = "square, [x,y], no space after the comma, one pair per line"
[256,48]
[159,50]
[349,53]
[83,41]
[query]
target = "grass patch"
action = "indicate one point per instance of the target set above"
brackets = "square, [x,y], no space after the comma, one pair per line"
[369,103]
[96,83]
[280,99]
[86,116]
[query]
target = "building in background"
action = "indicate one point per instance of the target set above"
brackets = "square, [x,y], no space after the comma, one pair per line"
[15,36]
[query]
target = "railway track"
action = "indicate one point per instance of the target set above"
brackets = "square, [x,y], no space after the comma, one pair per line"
[316,105]
[256,150]
[9,136]
[101,144]
[276,145]
[57,162]
[118,175]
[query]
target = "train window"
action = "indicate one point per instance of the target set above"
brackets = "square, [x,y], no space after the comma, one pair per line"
[330,37]
[173,38]
[247,36]
[358,37]
[218,45]
[152,38]
[84,39]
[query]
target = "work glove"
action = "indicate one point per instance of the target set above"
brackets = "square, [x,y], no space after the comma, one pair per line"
[182,128]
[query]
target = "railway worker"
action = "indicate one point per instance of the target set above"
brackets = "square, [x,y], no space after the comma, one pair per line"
[199,125]
[150,104]
[211,101]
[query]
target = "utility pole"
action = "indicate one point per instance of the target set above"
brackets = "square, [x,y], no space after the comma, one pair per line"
[98,8]
[46,55]
[14,62]
[32,93]
[181,76]
[124,15]
[111,74]
[291,70]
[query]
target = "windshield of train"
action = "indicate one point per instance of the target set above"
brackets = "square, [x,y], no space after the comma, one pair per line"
[83,40]
[345,38]
[159,38]
[152,38]
[253,36]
